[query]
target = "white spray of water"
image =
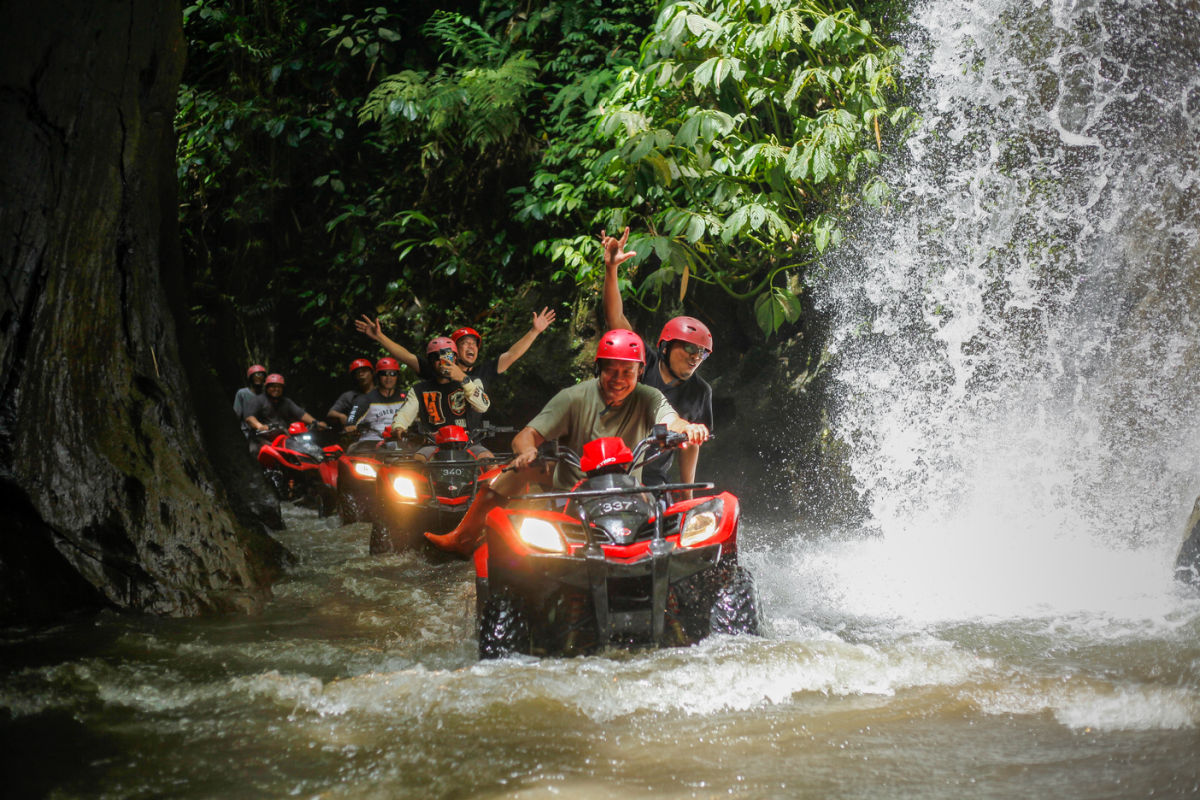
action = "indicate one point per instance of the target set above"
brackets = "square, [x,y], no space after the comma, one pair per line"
[1018,336]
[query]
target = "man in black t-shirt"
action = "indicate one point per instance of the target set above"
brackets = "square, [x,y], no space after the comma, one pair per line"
[682,346]
[363,375]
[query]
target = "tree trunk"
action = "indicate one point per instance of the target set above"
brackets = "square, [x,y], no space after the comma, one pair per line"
[101,462]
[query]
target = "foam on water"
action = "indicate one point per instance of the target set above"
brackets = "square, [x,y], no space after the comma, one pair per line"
[1016,344]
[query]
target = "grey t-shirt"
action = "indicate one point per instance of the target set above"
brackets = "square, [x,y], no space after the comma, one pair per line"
[243,401]
[578,414]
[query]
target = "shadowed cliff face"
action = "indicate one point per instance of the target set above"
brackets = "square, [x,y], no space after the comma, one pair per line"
[100,455]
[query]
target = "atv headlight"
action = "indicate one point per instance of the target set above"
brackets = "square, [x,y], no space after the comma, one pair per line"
[364,469]
[701,523]
[404,487]
[541,535]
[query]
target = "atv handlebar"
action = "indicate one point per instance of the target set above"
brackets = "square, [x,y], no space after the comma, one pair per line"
[660,489]
[485,431]
[654,446]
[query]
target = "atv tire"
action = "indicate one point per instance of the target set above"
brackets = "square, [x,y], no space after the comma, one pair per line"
[503,627]
[278,483]
[381,539]
[347,506]
[326,501]
[735,609]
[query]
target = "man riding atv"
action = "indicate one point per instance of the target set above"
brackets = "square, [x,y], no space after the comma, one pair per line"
[272,410]
[373,411]
[613,404]
[451,397]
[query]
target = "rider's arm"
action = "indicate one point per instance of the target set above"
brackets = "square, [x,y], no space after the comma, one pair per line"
[688,458]
[525,446]
[240,404]
[407,413]
[340,410]
[476,396]
[521,346]
[254,424]
[372,329]
[614,256]
[696,433]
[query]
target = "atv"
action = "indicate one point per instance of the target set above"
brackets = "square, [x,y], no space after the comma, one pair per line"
[414,496]
[611,562]
[298,467]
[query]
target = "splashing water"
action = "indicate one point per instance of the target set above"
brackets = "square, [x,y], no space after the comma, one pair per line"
[1018,336]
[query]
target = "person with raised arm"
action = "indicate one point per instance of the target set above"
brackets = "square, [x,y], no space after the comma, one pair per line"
[671,367]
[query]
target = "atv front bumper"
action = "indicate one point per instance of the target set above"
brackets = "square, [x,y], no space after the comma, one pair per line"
[628,598]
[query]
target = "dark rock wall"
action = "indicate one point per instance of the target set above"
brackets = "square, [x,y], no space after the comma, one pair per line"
[100,463]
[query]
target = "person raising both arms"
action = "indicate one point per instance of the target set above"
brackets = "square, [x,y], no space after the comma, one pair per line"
[683,345]
[363,376]
[450,398]
[469,344]
[373,411]
[613,404]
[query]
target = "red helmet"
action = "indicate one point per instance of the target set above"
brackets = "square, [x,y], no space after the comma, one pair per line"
[297,428]
[255,368]
[357,364]
[450,433]
[621,345]
[386,363]
[461,332]
[274,378]
[439,343]
[605,452]
[686,329]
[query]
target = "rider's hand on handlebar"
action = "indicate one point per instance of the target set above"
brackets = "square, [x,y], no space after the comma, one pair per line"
[697,434]
[524,459]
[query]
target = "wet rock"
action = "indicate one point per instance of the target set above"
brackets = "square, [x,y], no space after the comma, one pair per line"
[1187,565]
[101,449]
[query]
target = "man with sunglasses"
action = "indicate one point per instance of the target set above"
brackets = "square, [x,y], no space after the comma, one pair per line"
[373,411]
[682,346]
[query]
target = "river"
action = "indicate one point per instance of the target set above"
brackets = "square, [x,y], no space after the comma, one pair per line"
[1015,354]
[361,680]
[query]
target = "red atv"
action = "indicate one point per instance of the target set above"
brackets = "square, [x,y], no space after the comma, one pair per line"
[412,496]
[357,472]
[611,562]
[298,467]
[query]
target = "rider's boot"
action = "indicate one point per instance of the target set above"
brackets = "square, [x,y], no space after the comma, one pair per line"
[466,535]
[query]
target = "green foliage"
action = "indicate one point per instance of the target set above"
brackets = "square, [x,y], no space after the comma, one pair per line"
[476,97]
[504,127]
[428,162]
[746,131]
[281,206]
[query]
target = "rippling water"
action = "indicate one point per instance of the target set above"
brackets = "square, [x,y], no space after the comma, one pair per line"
[361,680]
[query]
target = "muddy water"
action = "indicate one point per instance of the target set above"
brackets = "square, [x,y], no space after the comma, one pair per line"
[361,680]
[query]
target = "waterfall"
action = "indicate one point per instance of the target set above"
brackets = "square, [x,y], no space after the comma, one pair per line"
[1017,335]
